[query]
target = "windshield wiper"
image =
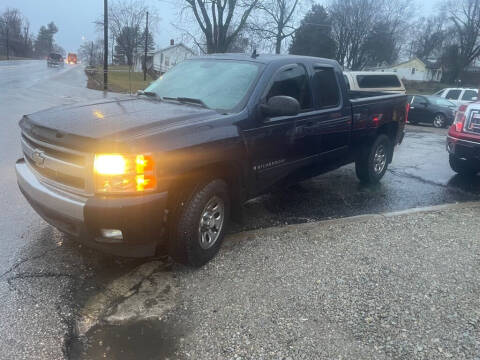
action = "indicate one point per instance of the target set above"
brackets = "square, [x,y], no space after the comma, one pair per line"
[187,100]
[147,93]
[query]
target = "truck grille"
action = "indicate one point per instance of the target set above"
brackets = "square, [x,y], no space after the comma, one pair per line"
[60,167]
[473,123]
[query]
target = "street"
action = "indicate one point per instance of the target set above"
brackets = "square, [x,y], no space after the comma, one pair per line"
[61,300]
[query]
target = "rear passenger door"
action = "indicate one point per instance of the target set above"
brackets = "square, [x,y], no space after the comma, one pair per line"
[468,96]
[332,123]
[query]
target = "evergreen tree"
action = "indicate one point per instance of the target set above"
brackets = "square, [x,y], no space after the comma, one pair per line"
[314,36]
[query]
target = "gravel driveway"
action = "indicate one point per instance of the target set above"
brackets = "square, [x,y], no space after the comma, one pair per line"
[378,287]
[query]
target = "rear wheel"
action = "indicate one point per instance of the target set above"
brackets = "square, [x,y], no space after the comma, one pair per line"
[439,121]
[198,231]
[372,161]
[462,166]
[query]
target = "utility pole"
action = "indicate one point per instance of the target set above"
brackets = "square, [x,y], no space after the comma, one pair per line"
[113,43]
[8,43]
[146,48]
[105,48]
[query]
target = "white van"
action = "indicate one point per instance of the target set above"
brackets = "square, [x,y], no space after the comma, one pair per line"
[459,96]
[374,81]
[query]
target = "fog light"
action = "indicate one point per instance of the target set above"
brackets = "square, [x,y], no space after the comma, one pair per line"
[112,234]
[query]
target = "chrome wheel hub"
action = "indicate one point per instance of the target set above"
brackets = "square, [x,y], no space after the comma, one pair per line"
[211,222]
[438,121]
[380,159]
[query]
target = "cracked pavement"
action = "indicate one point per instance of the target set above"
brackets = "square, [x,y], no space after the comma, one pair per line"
[49,283]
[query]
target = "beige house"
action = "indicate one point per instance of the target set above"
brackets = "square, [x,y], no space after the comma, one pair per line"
[415,70]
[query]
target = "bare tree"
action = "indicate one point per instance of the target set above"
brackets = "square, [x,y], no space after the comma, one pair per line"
[353,24]
[91,52]
[126,22]
[220,21]
[10,30]
[275,21]
[429,37]
[465,15]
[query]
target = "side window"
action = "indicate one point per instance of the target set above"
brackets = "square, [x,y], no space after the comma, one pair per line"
[469,94]
[326,87]
[453,94]
[378,81]
[292,82]
[417,100]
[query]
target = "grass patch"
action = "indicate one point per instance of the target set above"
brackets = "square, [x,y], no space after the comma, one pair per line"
[119,80]
[424,87]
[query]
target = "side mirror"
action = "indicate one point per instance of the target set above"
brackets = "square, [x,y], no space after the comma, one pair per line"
[281,106]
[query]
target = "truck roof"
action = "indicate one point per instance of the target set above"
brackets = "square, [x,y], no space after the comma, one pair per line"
[266,58]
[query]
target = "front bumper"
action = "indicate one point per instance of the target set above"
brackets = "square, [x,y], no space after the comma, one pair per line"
[463,149]
[140,218]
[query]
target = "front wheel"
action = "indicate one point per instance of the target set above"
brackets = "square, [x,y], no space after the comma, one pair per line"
[372,161]
[198,231]
[439,121]
[462,166]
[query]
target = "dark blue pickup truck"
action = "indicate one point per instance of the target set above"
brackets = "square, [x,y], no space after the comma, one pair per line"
[172,165]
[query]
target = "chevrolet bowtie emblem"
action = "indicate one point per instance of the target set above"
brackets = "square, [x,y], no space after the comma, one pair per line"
[38,158]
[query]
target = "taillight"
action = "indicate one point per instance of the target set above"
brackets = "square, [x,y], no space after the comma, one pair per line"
[460,118]
[407,110]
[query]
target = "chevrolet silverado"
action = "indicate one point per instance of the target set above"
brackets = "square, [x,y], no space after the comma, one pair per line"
[173,164]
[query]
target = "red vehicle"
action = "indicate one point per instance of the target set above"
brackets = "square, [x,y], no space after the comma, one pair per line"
[71,58]
[463,141]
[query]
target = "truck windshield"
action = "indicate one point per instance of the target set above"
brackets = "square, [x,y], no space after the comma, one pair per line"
[219,84]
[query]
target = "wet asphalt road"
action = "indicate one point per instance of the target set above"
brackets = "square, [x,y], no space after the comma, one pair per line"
[44,276]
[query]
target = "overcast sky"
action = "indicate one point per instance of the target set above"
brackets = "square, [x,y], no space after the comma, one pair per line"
[75,18]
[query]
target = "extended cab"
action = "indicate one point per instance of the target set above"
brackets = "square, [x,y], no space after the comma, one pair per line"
[172,165]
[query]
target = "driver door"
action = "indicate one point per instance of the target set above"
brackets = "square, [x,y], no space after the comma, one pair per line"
[272,144]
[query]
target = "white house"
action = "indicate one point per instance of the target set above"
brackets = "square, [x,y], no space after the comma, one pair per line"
[416,70]
[166,58]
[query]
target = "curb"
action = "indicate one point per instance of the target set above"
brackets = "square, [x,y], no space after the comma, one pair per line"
[355,219]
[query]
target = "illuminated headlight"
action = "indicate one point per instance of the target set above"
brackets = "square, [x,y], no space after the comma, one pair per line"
[122,173]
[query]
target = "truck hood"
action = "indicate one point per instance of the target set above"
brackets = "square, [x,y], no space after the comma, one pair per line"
[113,119]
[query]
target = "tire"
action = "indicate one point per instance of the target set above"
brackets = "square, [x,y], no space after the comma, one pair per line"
[439,121]
[372,161]
[197,232]
[462,167]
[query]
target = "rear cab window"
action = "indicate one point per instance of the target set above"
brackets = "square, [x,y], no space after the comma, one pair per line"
[378,81]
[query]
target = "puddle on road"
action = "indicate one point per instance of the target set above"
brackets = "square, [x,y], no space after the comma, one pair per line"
[148,339]
[127,318]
